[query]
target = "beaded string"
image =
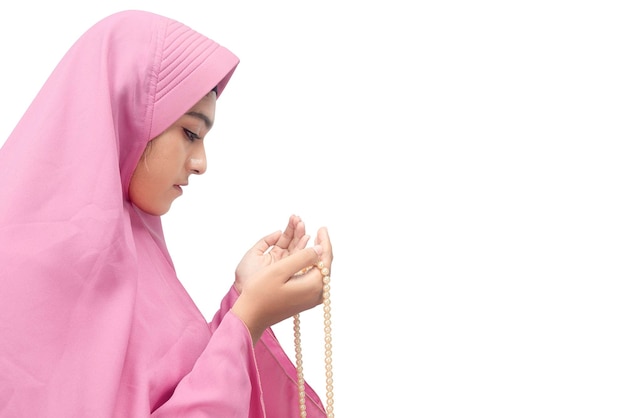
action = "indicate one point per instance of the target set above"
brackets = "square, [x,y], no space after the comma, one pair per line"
[327,353]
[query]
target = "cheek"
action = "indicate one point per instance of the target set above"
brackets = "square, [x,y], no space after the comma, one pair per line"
[151,186]
[139,184]
[144,193]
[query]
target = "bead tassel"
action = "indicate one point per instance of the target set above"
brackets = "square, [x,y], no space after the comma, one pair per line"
[328,352]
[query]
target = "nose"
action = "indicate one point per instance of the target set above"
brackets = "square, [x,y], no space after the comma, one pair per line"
[197,159]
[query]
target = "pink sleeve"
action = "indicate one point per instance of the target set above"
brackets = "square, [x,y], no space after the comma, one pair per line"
[224,381]
[227,302]
[264,376]
[279,381]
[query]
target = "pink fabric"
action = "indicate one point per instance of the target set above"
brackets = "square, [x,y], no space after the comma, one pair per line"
[93,320]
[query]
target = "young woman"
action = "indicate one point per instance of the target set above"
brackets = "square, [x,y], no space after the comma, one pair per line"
[93,320]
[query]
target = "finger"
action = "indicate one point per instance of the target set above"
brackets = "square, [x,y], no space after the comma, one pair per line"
[299,233]
[294,263]
[302,243]
[323,240]
[308,288]
[288,234]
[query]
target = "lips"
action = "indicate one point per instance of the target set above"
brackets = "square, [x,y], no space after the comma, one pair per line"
[179,186]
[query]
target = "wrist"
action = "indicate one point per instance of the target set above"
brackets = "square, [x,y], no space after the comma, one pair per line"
[254,329]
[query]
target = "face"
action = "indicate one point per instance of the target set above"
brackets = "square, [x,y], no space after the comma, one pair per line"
[170,158]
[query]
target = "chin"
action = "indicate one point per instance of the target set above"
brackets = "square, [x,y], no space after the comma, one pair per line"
[154,210]
[160,212]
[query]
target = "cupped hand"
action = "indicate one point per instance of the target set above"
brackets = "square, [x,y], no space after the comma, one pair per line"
[271,248]
[277,291]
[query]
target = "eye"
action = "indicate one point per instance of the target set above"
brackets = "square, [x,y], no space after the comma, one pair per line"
[190,135]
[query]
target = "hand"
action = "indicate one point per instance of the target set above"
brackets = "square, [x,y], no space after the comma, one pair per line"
[279,244]
[277,291]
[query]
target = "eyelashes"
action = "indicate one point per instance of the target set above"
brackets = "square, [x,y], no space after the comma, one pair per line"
[190,135]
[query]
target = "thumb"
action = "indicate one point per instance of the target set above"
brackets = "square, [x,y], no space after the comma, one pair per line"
[289,266]
[266,242]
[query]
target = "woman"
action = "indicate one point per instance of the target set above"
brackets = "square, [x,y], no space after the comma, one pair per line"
[93,320]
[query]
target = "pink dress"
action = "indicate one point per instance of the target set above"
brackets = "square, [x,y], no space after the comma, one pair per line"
[93,319]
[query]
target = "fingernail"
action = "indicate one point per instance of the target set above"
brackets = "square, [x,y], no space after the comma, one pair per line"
[318,249]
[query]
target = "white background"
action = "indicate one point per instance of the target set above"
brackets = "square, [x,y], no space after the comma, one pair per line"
[468,160]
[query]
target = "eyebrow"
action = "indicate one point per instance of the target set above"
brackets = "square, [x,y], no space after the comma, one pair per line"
[208,122]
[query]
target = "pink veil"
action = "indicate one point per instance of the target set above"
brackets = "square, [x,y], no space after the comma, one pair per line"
[68,234]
